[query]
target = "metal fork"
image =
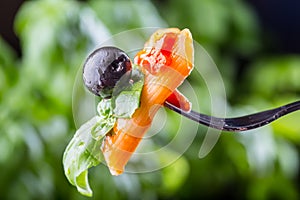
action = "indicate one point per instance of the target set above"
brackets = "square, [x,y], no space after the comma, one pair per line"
[237,124]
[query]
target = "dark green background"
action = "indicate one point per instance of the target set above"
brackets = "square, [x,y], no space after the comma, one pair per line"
[256,49]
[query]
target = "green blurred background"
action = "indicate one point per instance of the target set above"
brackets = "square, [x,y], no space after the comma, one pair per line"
[254,44]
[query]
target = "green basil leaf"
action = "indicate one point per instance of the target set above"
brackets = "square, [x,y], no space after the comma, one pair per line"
[104,108]
[82,153]
[107,120]
[127,92]
[102,128]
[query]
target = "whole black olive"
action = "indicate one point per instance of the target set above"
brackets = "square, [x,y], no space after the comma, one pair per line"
[103,68]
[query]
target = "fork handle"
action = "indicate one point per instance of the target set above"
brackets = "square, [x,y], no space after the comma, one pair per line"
[238,124]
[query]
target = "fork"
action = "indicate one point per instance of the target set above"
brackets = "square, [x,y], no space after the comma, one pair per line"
[237,124]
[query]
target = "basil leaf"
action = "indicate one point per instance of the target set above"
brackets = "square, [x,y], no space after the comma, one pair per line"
[127,92]
[104,108]
[82,153]
[107,120]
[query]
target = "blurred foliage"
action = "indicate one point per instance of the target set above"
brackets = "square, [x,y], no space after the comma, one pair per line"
[36,120]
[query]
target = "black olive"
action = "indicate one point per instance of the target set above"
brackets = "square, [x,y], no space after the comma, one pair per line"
[103,68]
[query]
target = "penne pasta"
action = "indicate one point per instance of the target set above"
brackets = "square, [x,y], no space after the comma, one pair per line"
[166,60]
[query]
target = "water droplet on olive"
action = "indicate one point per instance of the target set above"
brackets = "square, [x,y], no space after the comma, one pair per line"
[103,68]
